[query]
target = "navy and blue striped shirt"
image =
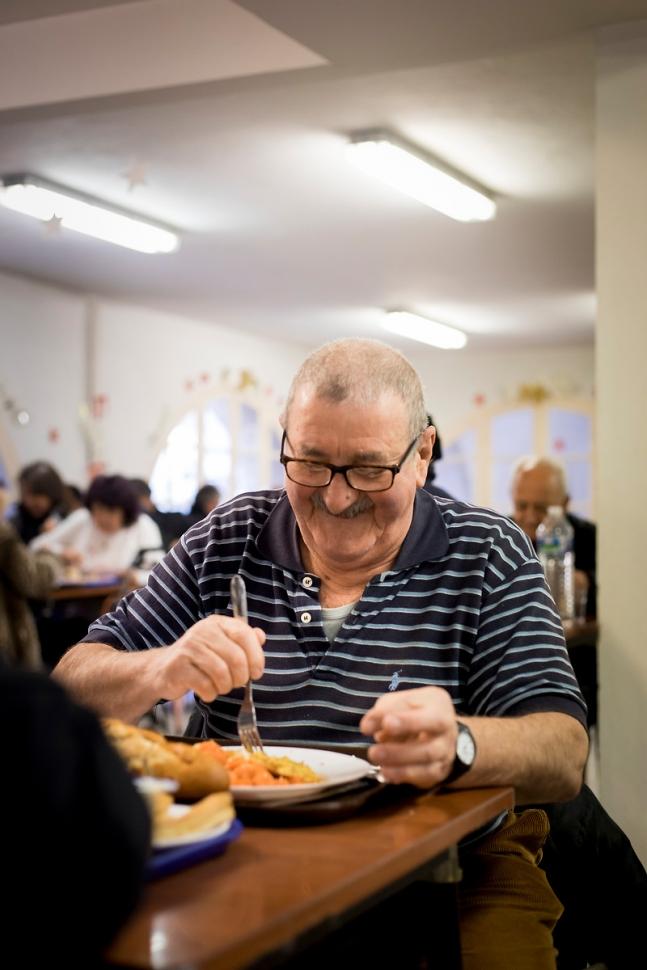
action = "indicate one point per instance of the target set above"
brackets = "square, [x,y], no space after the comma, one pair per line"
[465,607]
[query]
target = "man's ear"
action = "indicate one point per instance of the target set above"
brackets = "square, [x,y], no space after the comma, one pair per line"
[423,454]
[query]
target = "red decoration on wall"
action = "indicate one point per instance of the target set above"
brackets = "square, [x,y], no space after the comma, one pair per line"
[559,444]
[53,435]
[98,405]
[205,378]
[478,400]
[188,385]
[96,468]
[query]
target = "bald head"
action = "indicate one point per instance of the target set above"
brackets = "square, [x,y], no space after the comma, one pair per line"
[537,483]
[360,371]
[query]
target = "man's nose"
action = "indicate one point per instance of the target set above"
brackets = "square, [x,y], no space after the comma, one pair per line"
[338,495]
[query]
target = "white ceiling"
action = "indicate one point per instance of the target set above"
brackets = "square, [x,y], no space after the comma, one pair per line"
[239,112]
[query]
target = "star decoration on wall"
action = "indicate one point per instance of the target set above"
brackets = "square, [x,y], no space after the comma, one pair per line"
[246,379]
[53,435]
[478,400]
[532,394]
[559,444]
[188,385]
[136,175]
[53,226]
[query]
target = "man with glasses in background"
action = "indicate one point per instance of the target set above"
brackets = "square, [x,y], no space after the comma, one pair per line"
[377,611]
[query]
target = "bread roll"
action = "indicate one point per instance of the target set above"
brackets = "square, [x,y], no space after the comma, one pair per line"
[206,814]
[147,753]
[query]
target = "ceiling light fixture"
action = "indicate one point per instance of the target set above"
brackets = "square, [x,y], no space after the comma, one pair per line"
[415,327]
[419,175]
[44,200]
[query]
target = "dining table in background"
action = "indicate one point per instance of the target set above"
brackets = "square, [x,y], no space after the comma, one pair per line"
[64,615]
[381,884]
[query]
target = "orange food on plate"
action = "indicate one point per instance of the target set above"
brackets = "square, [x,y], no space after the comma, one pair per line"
[259,769]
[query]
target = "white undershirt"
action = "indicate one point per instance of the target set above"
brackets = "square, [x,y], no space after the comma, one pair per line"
[332,618]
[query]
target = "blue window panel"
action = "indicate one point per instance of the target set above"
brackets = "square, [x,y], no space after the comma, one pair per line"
[455,471]
[462,448]
[578,477]
[569,432]
[246,479]
[277,474]
[249,428]
[215,426]
[216,469]
[501,473]
[512,433]
[456,478]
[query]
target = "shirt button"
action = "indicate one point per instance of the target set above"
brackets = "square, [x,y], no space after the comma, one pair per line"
[306,617]
[307,581]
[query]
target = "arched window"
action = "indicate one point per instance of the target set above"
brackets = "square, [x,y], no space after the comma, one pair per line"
[231,440]
[478,457]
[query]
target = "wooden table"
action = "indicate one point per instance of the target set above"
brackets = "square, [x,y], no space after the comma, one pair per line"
[85,591]
[277,891]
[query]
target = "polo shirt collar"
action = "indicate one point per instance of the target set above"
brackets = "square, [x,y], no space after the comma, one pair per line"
[427,538]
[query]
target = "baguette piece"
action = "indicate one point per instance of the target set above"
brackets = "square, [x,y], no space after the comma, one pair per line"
[148,753]
[206,814]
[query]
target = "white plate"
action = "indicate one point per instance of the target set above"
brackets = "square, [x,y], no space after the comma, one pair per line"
[191,838]
[334,768]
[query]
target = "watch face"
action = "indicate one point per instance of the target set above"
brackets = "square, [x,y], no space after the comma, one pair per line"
[465,746]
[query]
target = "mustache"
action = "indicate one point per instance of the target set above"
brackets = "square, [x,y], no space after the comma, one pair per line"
[362,504]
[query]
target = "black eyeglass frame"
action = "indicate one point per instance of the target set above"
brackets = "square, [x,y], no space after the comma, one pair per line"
[343,469]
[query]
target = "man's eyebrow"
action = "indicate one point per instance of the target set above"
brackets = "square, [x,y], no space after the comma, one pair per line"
[358,458]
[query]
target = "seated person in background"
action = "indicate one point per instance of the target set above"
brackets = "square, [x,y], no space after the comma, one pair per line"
[206,500]
[426,627]
[72,500]
[41,492]
[76,833]
[109,536]
[171,524]
[537,483]
[23,574]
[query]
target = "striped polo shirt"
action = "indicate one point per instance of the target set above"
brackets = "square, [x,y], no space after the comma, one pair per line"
[464,607]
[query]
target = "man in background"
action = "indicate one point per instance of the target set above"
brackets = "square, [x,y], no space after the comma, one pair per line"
[538,483]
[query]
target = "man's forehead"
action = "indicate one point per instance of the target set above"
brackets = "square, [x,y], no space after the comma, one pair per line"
[537,483]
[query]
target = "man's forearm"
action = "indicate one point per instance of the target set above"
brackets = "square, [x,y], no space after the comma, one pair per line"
[541,755]
[114,683]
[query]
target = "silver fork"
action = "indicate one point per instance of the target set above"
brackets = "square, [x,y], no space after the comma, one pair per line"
[247,728]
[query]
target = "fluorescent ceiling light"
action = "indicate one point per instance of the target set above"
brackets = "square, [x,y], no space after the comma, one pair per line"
[418,175]
[33,196]
[427,331]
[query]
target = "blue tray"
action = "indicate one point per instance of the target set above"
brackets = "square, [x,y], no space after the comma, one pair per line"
[164,862]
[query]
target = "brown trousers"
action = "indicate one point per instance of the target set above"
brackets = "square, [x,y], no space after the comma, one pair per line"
[507,909]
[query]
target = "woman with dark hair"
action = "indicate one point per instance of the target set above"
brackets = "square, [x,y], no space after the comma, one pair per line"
[206,500]
[109,536]
[41,491]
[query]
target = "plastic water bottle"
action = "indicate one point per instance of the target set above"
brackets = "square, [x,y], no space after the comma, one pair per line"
[555,550]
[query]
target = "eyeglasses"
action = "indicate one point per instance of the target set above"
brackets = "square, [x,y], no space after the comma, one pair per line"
[363,478]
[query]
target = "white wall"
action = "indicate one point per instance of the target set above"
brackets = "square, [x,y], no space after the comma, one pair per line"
[621,140]
[42,368]
[143,359]
[454,379]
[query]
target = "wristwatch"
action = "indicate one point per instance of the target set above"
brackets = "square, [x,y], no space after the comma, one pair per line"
[465,753]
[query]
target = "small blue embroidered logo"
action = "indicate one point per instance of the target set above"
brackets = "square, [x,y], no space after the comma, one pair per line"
[395,680]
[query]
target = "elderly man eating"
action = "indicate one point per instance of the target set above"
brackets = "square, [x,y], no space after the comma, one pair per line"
[378,611]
